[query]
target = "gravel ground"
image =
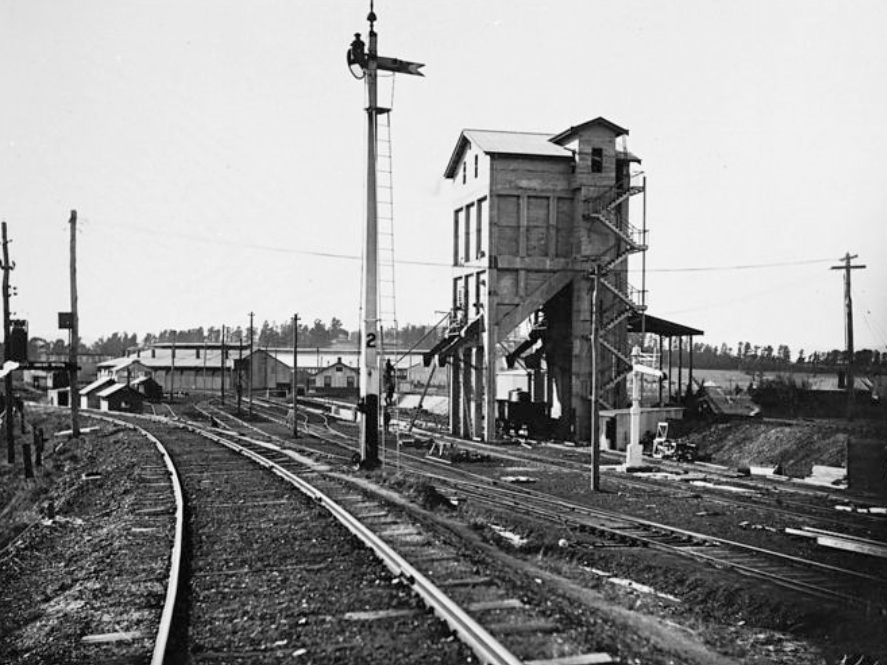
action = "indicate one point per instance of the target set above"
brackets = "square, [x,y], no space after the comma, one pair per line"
[748,621]
[97,567]
[272,577]
[61,580]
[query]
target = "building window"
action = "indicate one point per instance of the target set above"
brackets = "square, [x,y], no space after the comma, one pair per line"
[479,225]
[475,165]
[464,171]
[349,381]
[467,237]
[339,368]
[597,160]
[327,381]
[457,220]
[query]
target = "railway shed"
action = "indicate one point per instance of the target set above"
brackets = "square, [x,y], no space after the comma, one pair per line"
[123,370]
[121,397]
[203,367]
[149,388]
[89,395]
[337,379]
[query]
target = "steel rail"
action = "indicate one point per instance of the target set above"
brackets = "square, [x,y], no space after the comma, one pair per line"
[682,550]
[483,481]
[520,497]
[684,533]
[486,647]
[165,625]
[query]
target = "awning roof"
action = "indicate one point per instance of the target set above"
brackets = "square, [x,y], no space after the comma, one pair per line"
[657,326]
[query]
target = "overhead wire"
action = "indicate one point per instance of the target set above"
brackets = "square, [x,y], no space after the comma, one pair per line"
[874,328]
[433,264]
[722,302]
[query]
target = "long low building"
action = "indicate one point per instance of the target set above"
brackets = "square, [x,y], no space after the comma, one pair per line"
[198,367]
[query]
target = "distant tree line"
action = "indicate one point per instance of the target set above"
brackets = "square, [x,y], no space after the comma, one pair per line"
[765,358]
[266,334]
[744,356]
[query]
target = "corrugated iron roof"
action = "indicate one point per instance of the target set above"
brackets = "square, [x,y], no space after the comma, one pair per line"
[567,135]
[110,390]
[98,383]
[142,379]
[657,326]
[516,143]
[118,364]
[533,144]
[185,359]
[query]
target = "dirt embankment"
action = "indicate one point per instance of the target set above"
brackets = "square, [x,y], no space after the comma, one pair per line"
[794,446]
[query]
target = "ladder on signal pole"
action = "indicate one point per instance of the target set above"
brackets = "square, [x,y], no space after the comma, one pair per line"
[387,287]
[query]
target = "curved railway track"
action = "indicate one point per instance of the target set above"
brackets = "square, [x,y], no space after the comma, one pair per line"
[868,592]
[241,527]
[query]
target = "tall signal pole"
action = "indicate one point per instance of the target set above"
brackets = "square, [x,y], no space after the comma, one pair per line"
[7,380]
[370,62]
[369,362]
[848,326]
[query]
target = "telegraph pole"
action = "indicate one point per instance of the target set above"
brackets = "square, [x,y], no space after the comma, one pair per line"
[370,62]
[848,326]
[595,377]
[75,333]
[7,380]
[222,365]
[251,358]
[172,368]
[239,387]
[295,376]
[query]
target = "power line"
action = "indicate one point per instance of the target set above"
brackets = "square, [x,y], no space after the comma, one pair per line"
[432,264]
[750,266]
[724,302]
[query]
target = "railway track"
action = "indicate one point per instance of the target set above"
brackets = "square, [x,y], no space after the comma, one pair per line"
[836,583]
[246,555]
[805,505]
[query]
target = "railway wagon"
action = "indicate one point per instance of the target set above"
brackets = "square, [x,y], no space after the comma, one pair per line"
[521,416]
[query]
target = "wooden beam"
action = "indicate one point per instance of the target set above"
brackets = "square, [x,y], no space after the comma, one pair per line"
[531,303]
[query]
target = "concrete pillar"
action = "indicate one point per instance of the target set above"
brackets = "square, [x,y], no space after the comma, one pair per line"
[467,394]
[455,395]
[581,359]
[634,451]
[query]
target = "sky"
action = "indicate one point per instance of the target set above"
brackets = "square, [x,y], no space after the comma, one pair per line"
[214,151]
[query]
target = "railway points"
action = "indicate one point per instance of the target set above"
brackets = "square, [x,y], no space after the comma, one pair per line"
[415,505]
[813,506]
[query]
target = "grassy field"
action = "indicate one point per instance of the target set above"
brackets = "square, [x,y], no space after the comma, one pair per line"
[728,378]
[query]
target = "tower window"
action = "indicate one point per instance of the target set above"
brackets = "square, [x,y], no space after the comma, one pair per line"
[597,160]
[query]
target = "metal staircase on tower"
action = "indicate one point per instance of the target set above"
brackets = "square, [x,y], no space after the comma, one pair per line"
[612,272]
